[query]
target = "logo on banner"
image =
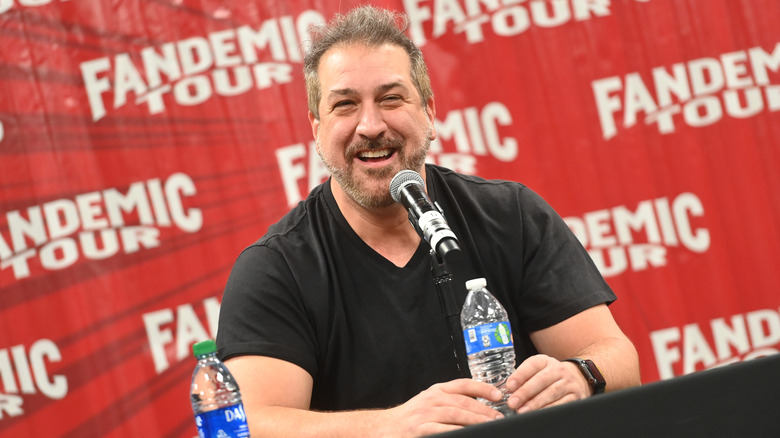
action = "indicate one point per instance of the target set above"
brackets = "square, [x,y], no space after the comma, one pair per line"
[694,347]
[171,332]
[620,239]
[96,225]
[474,132]
[193,70]
[29,369]
[504,18]
[696,93]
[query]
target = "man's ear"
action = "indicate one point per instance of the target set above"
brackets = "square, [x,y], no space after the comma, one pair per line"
[315,125]
[430,110]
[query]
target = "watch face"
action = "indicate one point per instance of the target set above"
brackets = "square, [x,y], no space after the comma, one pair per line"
[591,373]
[597,380]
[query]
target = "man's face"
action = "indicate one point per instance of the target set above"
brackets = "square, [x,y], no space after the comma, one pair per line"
[372,123]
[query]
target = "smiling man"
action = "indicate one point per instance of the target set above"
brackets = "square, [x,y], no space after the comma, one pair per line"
[331,322]
[372,111]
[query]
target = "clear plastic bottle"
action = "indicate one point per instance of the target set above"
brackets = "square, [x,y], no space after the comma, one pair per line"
[488,336]
[215,397]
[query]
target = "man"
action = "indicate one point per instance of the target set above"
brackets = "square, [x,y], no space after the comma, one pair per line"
[331,323]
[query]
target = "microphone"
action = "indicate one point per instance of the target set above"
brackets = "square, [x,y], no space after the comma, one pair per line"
[408,189]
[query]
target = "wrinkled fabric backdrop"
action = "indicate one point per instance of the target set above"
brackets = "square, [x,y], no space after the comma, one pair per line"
[144,143]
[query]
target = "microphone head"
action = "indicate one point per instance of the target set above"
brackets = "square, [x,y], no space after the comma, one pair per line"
[401,179]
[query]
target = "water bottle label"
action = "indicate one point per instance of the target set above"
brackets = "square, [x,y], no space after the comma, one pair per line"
[227,422]
[487,337]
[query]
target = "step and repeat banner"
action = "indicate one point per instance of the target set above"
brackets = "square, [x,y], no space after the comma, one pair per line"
[144,143]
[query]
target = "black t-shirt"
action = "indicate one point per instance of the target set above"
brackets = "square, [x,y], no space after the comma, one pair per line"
[372,334]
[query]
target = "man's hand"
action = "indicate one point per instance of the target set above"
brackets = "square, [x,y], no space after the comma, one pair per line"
[442,407]
[542,381]
[277,398]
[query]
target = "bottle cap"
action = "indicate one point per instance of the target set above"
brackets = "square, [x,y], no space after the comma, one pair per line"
[477,283]
[204,347]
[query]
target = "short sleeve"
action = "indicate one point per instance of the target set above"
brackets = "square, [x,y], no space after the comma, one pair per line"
[560,278]
[262,312]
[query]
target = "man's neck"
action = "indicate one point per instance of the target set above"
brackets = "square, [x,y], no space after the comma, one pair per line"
[386,230]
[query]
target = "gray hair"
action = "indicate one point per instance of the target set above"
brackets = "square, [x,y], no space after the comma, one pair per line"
[368,26]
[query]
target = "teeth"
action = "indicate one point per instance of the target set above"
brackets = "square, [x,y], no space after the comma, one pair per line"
[375,153]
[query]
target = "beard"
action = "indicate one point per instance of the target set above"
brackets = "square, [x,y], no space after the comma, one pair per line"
[360,190]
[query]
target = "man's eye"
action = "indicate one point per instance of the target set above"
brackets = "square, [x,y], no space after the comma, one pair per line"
[392,101]
[342,103]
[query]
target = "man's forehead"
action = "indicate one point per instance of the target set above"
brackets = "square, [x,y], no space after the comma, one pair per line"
[345,70]
[342,54]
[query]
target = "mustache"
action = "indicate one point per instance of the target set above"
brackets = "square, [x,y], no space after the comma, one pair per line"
[373,144]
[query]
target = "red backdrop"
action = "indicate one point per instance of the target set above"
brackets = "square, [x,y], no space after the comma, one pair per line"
[143,144]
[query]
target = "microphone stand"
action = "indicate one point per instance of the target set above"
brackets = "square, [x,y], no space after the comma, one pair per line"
[408,189]
[451,308]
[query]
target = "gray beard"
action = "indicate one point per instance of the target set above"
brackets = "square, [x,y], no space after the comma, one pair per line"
[352,186]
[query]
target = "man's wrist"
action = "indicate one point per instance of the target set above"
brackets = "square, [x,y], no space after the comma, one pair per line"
[591,373]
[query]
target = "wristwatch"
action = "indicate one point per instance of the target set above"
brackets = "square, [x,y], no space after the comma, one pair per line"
[591,373]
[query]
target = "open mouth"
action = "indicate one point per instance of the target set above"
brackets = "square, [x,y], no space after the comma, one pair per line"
[375,155]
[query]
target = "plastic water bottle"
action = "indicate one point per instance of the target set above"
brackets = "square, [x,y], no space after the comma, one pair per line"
[488,336]
[216,400]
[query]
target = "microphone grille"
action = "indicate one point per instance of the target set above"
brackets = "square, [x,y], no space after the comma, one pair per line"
[401,179]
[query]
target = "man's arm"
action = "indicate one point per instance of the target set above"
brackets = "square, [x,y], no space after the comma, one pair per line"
[277,394]
[543,380]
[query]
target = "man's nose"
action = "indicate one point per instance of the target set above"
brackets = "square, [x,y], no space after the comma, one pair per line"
[372,123]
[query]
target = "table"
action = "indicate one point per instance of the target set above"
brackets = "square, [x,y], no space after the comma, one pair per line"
[737,400]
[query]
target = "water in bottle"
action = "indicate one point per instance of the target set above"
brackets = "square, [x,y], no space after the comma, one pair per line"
[488,336]
[215,397]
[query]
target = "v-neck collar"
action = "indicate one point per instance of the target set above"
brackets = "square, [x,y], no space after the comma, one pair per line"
[420,253]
